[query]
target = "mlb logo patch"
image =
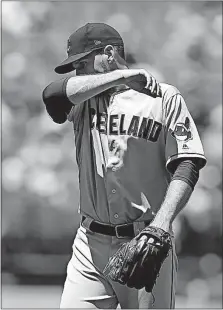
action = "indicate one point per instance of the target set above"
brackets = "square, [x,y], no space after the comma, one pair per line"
[68,46]
[185,147]
[97,42]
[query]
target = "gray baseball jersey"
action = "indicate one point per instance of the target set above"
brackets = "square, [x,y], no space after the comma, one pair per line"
[126,148]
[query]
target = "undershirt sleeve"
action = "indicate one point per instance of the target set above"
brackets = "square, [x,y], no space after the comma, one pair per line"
[56,101]
[187,170]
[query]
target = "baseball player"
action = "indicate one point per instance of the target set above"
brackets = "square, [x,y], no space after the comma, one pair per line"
[139,155]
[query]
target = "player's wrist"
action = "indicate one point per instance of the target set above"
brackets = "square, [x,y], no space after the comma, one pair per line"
[165,227]
[162,223]
[133,78]
[129,73]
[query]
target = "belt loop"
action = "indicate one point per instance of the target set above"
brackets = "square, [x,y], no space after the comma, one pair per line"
[86,222]
[138,227]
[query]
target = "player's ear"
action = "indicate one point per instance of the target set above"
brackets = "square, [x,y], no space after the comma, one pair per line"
[109,51]
[114,59]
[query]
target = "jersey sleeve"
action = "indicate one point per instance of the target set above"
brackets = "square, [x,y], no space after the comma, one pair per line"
[76,115]
[181,135]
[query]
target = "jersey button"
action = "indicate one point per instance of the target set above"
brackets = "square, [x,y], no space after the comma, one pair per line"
[113,168]
[115,215]
[113,191]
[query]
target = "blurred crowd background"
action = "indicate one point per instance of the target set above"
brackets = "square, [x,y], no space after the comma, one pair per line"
[180,43]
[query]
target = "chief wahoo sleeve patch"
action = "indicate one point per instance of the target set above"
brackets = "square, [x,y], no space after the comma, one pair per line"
[182,131]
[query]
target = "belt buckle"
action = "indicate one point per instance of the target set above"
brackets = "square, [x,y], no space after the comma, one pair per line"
[116,232]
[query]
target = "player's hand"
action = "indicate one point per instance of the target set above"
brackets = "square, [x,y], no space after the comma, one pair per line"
[145,81]
[152,86]
[142,81]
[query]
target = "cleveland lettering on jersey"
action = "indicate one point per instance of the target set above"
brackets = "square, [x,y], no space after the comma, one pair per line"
[141,127]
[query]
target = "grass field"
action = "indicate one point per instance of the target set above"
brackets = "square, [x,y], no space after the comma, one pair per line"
[29,297]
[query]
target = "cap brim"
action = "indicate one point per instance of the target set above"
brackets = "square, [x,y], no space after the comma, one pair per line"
[66,65]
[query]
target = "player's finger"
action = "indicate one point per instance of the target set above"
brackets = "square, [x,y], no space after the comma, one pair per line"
[149,81]
[154,92]
[153,85]
[158,90]
[159,93]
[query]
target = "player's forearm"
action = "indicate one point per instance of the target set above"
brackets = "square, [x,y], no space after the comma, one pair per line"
[177,196]
[81,88]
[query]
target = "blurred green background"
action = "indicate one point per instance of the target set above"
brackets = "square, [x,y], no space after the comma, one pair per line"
[181,44]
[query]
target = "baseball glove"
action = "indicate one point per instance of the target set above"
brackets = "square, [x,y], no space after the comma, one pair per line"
[137,263]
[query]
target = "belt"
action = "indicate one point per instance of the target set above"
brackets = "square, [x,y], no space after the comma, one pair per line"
[120,231]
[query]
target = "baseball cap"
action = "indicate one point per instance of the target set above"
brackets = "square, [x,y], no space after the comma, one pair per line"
[86,39]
